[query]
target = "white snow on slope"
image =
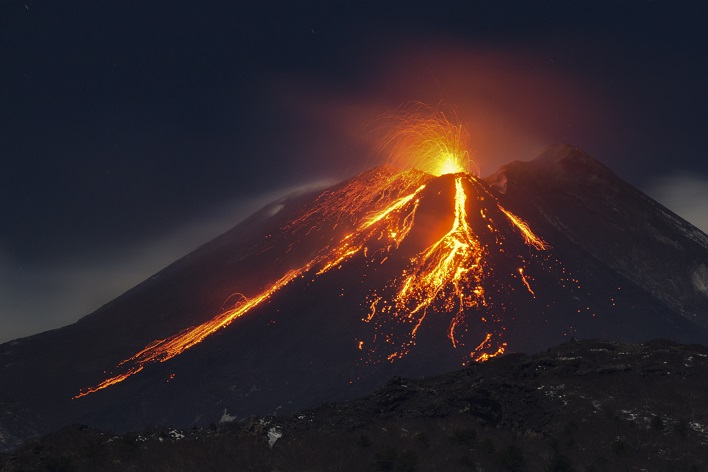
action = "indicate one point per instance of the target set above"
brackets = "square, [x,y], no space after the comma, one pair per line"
[700,279]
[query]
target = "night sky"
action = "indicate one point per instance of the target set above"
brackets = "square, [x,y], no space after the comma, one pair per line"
[132,132]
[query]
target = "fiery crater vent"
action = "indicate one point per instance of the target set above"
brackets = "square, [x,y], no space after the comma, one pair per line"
[440,249]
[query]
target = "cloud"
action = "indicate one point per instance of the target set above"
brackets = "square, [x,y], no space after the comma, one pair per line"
[684,193]
[40,297]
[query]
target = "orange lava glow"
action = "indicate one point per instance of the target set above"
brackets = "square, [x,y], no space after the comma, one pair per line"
[482,352]
[451,276]
[165,349]
[526,282]
[428,140]
[447,274]
[530,238]
[109,381]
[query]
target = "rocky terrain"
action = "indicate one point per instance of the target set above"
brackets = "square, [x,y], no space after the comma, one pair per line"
[581,406]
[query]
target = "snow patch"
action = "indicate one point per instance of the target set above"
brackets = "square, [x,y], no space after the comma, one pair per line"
[273,435]
[630,415]
[176,435]
[554,391]
[226,418]
[698,427]
[668,241]
[275,209]
[700,279]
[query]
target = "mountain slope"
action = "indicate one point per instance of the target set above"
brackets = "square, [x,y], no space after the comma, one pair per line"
[388,273]
[616,223]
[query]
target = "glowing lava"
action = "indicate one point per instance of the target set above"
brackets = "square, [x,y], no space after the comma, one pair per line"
[162,350]
[449,271]
[451,276]
[454,277]
[426,139]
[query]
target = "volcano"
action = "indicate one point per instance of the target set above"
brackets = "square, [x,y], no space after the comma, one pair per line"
[325,296]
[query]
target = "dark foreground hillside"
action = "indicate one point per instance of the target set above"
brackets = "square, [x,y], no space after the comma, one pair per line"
[583,406]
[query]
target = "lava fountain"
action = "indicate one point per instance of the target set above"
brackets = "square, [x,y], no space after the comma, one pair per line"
[427,139]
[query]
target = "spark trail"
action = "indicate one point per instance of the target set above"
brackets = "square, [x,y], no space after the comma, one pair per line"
[425,138]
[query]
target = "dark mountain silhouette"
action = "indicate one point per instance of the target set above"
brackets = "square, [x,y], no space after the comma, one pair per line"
[323,297]
[584,405]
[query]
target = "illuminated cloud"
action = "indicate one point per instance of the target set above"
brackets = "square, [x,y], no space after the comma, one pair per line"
[685,194]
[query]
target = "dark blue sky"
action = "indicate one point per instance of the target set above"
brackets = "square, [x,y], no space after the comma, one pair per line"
[130,132]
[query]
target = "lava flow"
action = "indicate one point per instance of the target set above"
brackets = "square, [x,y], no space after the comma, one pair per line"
[465,276]
[449,271]
[463,273]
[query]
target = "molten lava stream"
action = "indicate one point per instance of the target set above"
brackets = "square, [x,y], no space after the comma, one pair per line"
[165,349]
[448,272]
[452,276]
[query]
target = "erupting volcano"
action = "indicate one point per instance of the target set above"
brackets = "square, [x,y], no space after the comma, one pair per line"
[409,269]
[423,244]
